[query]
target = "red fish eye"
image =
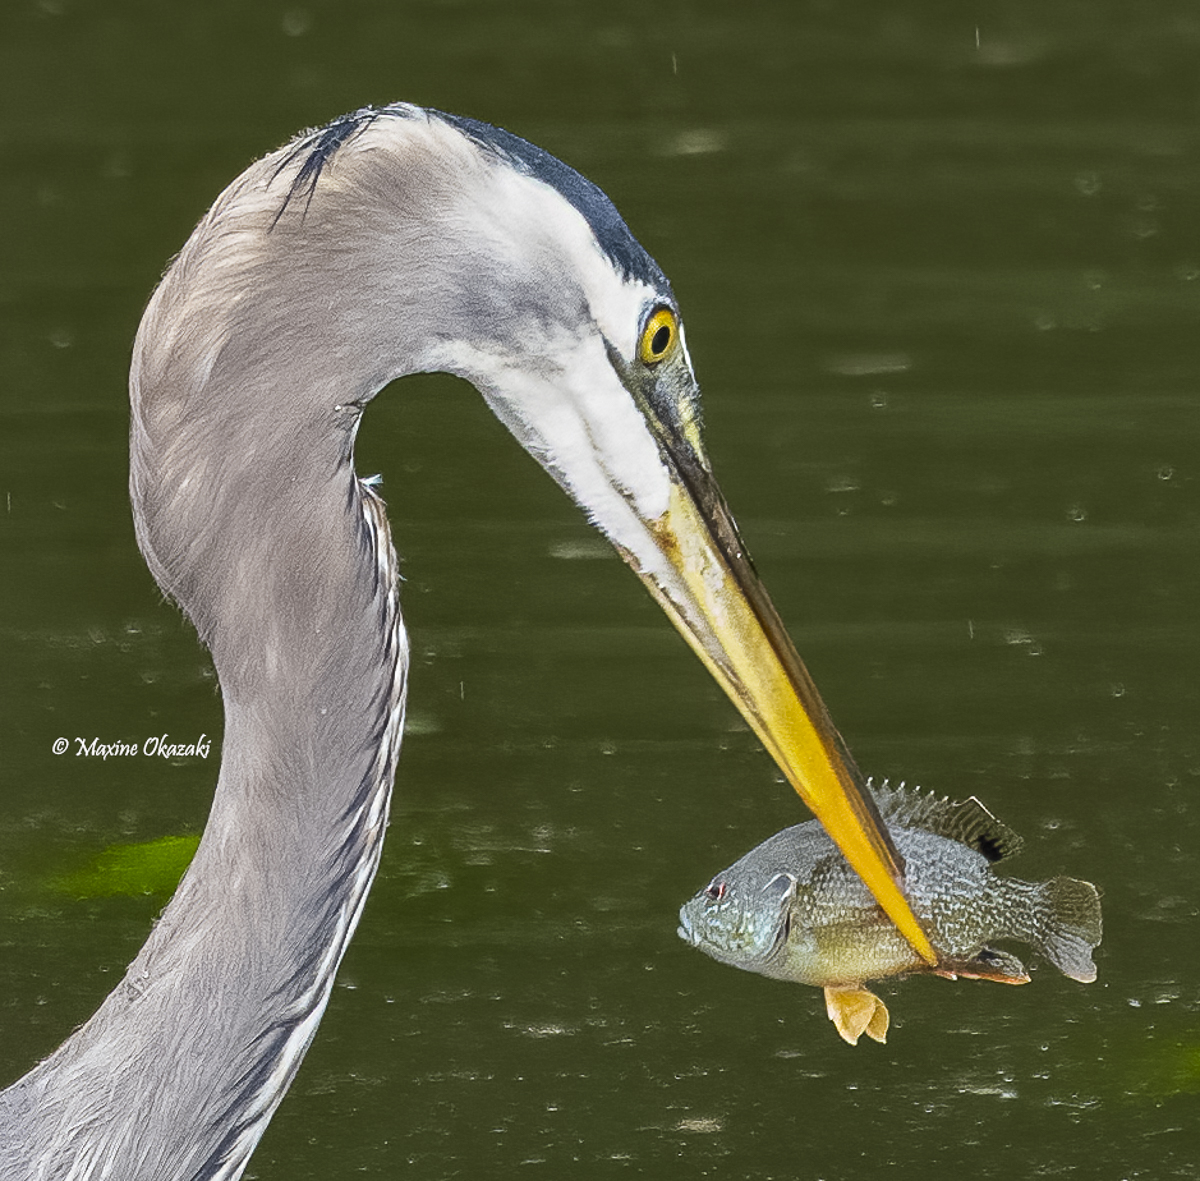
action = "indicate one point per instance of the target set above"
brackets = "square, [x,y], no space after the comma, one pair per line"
[715,891]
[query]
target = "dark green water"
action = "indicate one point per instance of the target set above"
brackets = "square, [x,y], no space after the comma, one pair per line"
[940,268]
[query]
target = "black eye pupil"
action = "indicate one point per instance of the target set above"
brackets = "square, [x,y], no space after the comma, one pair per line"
[662,338]
[716,891]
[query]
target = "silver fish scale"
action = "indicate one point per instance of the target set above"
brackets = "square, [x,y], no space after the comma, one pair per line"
[949,885]
[953,890]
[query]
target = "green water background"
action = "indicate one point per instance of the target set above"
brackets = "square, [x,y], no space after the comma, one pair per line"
[940,270]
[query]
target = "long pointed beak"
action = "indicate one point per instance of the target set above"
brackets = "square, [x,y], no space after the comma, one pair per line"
[723,611]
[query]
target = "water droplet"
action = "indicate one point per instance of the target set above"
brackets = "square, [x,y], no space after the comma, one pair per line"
[841,484]
[699,141]
[864,364]
[296,22]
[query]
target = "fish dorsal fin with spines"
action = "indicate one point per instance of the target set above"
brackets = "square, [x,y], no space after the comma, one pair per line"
[968,822]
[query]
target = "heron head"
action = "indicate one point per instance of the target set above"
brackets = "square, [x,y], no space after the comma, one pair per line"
[402,240]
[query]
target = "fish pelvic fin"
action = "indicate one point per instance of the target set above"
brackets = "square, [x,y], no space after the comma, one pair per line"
[1071,926]
[855,1010]
[967,822]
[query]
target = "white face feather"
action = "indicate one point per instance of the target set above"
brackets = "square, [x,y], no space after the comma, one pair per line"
[553,383]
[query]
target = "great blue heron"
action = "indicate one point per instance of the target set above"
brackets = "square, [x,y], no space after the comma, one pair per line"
[393,241]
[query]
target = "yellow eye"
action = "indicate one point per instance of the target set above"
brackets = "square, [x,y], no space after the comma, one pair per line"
[659,336]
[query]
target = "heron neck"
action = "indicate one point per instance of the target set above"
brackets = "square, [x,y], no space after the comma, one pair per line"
[251,518]
[228,990]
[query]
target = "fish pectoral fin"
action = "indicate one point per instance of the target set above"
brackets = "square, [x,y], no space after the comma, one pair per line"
[855,1011]
[989,964]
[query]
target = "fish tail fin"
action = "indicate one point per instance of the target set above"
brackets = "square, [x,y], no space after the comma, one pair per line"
[1070,926]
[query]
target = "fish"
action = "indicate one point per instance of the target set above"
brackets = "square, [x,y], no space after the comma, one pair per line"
[793,909]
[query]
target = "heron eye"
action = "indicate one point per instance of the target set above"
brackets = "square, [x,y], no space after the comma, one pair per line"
[659,336]
[715,891]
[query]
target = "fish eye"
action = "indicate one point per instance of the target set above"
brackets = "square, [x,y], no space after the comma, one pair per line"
[658,336]
[715,890]
[781,884]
